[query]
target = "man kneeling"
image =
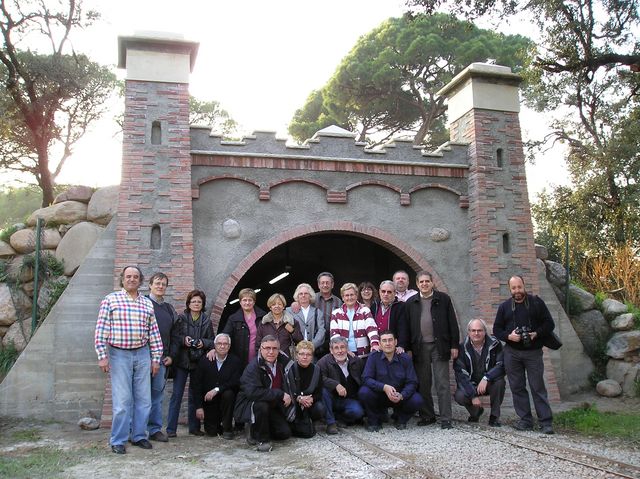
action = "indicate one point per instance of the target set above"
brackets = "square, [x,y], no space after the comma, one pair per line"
[480,371]
[264,402]
[389,381]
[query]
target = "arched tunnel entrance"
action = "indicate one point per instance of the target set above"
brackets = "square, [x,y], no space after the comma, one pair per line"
[348,257]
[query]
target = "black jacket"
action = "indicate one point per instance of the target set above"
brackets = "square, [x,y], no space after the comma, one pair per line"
[237,329]
[255,385]
[331,372]
[493,365]
[206,377]
[200,329]
[168,331]
[445,324]
[532,313]
[313,389]
[398,321]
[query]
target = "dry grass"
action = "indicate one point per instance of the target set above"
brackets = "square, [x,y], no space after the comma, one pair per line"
[617,274]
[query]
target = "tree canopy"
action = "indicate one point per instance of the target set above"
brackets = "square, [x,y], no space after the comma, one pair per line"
[210,113]
[387,84]
[49,98]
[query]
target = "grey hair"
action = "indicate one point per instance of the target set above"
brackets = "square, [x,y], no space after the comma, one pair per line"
[312,293]
[389,282]
[484,325]
[337,339]
[221,335]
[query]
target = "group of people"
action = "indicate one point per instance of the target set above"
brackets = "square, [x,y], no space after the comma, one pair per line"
[274,374]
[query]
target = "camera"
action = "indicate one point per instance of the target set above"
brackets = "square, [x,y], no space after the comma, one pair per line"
[193,343]
[525,336]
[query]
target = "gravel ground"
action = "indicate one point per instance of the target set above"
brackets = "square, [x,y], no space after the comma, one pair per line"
[356,453]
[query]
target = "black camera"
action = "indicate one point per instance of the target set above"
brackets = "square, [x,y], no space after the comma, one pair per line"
[193,343]
[525,336]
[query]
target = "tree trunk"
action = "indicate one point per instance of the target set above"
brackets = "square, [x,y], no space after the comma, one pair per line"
[45,180]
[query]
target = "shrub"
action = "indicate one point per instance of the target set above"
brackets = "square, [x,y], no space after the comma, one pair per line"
[57,288]
[8,356]
[616,272]
[4,267]
[6,233]
[53,266]
[600,297]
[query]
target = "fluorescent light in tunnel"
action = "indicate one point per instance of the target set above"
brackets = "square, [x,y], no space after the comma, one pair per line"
[234,301]
[279,277]
[257,290]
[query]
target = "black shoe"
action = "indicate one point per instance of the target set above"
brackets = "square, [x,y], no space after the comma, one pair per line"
[400,426]
[523,426]
[159,436]
[476,417]
[332,429]
[171,434]
[143,443]
[547,429]
[118,449]
[494,422]
[373,427]
[446,425]
[426,422]
[228,435]
[197,432]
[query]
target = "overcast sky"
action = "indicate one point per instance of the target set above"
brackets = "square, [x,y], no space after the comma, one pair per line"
[259,59]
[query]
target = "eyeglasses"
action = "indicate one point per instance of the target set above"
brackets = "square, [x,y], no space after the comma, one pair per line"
[305,354]
[476,330]
[383,291]
[223,344]
[269,348]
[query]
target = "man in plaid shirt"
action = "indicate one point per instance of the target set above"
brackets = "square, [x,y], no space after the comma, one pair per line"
[128,345]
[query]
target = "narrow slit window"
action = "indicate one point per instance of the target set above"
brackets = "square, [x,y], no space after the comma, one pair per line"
[506,244]
[156,237]
[156,133]
[499,159]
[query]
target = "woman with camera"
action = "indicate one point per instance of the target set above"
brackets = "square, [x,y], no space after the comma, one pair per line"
[196,338]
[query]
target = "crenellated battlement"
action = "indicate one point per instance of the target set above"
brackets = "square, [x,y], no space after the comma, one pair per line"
[332,143]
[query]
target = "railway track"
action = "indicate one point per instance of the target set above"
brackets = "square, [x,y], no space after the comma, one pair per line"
[397,466]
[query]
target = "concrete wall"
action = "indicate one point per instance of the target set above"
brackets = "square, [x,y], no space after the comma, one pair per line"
[57,376]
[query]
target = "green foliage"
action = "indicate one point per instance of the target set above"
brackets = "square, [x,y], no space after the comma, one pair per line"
[41,462]
[635,310]
[600,359]
[16,204]
[8,356]
[387,83]
[6,233]
[600,297]
[4,266]
[52,265]
[210,113]
[22,435]
[586,419]
[636,387]
[573,304]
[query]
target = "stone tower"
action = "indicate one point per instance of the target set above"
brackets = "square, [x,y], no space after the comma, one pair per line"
[154,220]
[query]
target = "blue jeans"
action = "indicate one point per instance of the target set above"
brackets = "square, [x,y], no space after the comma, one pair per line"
[348,409]
[130,393]
[179,382]
[158,383]
[377,402]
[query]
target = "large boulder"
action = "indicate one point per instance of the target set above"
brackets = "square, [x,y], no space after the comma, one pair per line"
[624,322]
[541,252]
[592,329]
[556,274]
[103,205]
[583,300]
[14,305]
[609,388]
[19,334]
[24,241]
[624,373]
[76,244]
[623,343]
[61,213]
[612,308]
[75,193]
[6,251]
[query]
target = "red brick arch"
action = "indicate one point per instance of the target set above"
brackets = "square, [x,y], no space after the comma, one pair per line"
[371,233]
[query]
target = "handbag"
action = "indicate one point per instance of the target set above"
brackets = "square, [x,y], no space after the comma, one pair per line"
[302,425]
[552,341]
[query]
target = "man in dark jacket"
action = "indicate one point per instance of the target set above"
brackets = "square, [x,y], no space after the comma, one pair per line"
[215,384]
[435,337]
[389,313]
[479,371]
[389,381]
[264,402]
[167,319]
[342,378]
[523,322]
